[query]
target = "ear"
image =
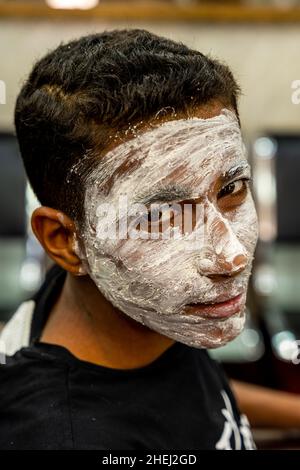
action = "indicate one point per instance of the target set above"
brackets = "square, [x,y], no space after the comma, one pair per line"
[56,232]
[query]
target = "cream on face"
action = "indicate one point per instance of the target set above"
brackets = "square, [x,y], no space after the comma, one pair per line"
[152,281]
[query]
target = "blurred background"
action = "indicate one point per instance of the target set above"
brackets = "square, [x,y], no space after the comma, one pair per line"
[260,41]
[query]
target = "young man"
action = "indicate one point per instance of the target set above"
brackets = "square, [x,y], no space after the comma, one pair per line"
[132,144]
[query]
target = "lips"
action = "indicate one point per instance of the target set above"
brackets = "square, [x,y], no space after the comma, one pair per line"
[219,310]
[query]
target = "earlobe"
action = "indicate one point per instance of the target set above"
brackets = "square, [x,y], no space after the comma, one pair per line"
[56,232]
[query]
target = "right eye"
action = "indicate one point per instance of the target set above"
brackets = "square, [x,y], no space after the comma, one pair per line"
[233,194]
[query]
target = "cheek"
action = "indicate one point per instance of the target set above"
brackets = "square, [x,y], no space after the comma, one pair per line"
[245,227]
[164,271]
[157,259]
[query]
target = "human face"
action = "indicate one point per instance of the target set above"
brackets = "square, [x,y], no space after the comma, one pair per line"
[155,281]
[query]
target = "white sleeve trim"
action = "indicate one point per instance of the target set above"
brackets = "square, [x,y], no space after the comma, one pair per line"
[16,333]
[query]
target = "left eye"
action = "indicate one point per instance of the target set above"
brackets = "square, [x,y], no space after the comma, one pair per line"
[232,188]
[157,216]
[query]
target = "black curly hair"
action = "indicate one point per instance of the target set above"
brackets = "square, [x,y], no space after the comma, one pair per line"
[83,91]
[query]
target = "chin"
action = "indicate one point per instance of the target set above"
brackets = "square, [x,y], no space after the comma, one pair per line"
[216,333]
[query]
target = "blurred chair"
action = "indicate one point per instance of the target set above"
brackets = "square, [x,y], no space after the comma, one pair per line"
[12,189]
[12,223]
[18,250]
[276,277]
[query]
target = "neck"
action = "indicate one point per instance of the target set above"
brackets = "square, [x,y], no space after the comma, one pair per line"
[85,323]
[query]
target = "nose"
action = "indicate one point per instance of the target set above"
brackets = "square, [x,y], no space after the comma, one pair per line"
[222,253]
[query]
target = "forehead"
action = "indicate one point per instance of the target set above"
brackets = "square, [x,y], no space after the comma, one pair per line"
[186,151]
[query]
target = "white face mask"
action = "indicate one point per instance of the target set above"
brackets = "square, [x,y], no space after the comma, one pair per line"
[153,281]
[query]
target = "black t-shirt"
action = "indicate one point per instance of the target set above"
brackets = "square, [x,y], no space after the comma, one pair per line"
[49,399]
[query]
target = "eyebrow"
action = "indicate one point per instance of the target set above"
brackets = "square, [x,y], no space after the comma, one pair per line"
[233,172]
[165,193]
[172,192]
